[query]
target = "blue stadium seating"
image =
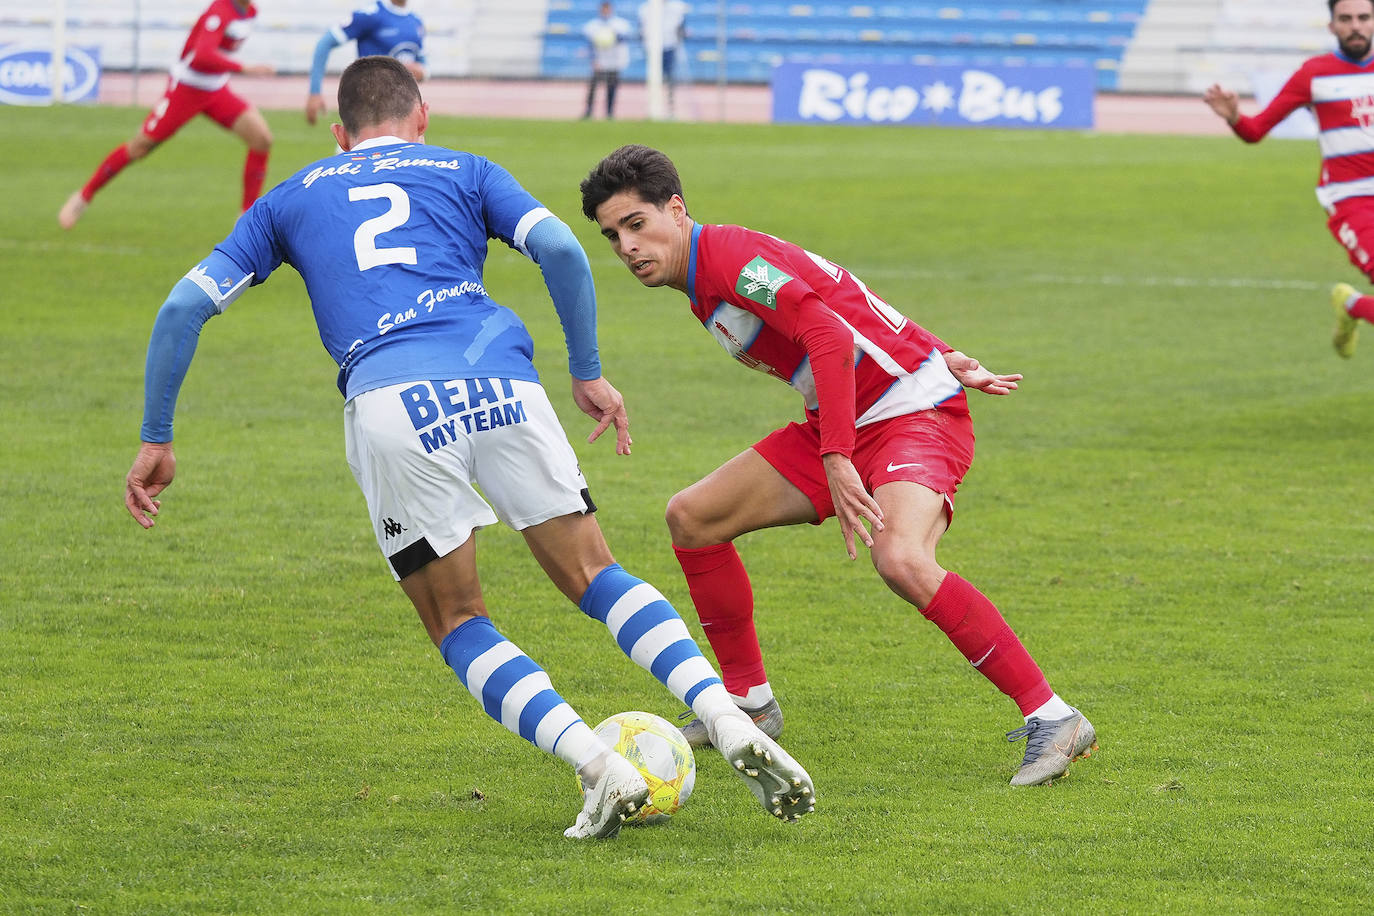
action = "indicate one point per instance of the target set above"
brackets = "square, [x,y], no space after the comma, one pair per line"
[758,35]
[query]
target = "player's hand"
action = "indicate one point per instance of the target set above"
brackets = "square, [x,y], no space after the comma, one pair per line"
[598,399]
[153,469]
[1226,104]
[259,70]
[415,69]
[314,107]
[972,375]
[853,504]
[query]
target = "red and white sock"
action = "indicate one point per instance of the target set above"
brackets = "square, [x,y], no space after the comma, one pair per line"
[978,630]
[1359,305]
[724,600]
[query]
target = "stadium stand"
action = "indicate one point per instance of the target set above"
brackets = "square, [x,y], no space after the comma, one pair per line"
[149,34]
[748,37]
[1184,46]
[1139,46]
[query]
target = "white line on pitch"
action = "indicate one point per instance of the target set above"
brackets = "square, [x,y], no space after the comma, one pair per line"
[1099,279]
[78,247]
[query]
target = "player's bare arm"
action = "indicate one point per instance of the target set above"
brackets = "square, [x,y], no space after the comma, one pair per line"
[599,399]
[971,374]
[853,504]
[153,469]
[1224,102]
[314,107]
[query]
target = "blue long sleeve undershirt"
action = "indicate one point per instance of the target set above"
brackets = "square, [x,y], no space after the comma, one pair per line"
[568,276]
[175,335]
[328,42]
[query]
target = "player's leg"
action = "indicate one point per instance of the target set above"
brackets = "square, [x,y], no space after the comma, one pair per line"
[531,475]
[424,513]
[1352,224]
[650,632]
[742,495]
[248,124]
[516,691]
[670,78]
[591,94]
[119,158]
[612,83]
[914,518]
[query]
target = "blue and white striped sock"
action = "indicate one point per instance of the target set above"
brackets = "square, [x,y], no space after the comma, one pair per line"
[648,630]
[516,692]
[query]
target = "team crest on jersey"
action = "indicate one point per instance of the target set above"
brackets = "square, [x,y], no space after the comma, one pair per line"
[760,281]
[1362,110]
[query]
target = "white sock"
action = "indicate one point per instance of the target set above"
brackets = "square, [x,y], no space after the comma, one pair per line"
[1053,708]
[758,695]
[1352,299]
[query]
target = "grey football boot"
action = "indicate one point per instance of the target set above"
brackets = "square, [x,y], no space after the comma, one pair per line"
[767,717]
[1051,745]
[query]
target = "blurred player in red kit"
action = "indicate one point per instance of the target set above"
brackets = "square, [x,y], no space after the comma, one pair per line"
[1339,88]
[885,443]
[198,83]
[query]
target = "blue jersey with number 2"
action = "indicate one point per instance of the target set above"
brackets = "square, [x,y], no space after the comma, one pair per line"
[390,239]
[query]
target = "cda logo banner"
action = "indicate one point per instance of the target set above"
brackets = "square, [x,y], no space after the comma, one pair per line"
[934,96]
[26,74]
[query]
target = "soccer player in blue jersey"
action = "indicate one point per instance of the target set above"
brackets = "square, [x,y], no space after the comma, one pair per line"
[384,27]
[441,396]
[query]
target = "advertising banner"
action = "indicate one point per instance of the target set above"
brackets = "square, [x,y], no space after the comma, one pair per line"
[26,74]
[1041,97]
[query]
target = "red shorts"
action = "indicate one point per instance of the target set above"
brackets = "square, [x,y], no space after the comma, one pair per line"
[933,448]
[181,103]
[1352,223]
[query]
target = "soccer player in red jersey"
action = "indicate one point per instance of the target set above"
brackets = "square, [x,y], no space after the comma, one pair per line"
[1339,88]
[886,441]
[198,83]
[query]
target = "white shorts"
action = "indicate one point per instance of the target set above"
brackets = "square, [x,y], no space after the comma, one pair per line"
[417,448]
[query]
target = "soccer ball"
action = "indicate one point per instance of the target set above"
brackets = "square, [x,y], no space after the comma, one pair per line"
[662,756]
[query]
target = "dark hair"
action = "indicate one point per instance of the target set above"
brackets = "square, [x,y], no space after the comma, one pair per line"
[640,169]
[374,90]
[1331,6]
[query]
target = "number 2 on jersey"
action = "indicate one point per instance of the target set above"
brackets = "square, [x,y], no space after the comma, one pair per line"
[365,238]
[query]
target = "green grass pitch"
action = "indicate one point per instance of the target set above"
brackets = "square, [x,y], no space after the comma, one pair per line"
[239,713]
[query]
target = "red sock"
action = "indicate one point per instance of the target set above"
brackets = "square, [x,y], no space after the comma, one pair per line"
[977,629]
[1363,308]
[724,600]
[254,174]
[112,166]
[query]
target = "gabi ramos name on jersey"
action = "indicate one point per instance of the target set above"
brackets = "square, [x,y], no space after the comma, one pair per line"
[378,163]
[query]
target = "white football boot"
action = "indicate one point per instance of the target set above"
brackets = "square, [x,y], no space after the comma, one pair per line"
[780,784]
[615,795]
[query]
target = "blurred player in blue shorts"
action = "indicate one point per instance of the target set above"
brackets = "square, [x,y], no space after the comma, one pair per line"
[441,398]
[385,27]
[885,442]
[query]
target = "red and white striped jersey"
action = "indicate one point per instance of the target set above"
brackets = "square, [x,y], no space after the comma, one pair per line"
[205,62]
[796,316]
[1340,93]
